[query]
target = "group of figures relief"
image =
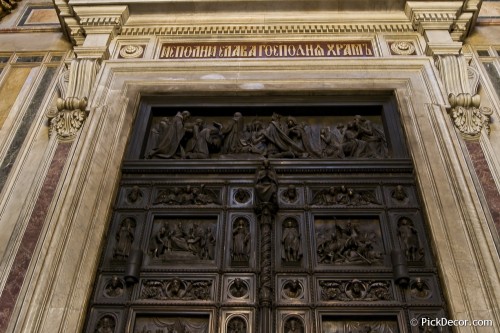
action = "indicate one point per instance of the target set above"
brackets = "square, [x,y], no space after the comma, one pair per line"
[177,240]
[281,137]
[348,243]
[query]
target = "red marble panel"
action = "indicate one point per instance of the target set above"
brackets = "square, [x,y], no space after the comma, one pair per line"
[31,235]
[486,179]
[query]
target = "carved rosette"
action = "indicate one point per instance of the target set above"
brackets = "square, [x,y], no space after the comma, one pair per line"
[468,116]
[403,48]
[131,51]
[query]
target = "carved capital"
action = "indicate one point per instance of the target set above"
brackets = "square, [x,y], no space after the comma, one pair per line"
[468,116]
[66,124]
[74,87]
[461,83]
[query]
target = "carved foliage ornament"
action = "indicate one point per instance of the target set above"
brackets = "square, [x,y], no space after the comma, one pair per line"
[468,116]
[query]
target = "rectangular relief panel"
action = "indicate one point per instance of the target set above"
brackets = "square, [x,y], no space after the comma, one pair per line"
[183,241]
[348,241]
[172,322]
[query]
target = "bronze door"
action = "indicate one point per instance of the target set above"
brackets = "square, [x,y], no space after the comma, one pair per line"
[279,217]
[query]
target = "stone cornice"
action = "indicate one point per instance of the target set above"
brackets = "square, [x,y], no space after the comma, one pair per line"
[457,17]
[79,21]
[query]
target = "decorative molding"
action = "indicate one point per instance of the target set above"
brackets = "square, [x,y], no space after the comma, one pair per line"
[461,82]
[290,29]
[434,15]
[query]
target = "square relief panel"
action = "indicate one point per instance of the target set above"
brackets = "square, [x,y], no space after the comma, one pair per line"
[134,196]
[104,319]
[293,321]
[241,197]
[400,196]
[111,289]
[291,196]
[237,320]
[239,289]
[292,289]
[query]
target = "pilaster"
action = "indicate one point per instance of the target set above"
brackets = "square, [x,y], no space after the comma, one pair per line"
[91,29]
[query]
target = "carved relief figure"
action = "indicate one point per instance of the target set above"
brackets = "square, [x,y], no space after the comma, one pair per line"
[134,195]
[419,289]
[294,325]
[399,194]
[266,184]
[293,289]
[159,244]
[278,138]
[290,240]
[237,325]
[241,196]
[114,287]
[241,241]
[124,239]
[105,325]
[238,288]
[169,145]
[172,240]
[345,243]
[290,195]
[409,240]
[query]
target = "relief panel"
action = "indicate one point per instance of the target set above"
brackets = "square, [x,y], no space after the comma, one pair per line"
[179,240]
[344,241]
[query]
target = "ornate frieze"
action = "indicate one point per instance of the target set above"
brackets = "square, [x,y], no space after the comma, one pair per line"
[345,196]
[177,289]
[355,290]
[461,83]
[181,138]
